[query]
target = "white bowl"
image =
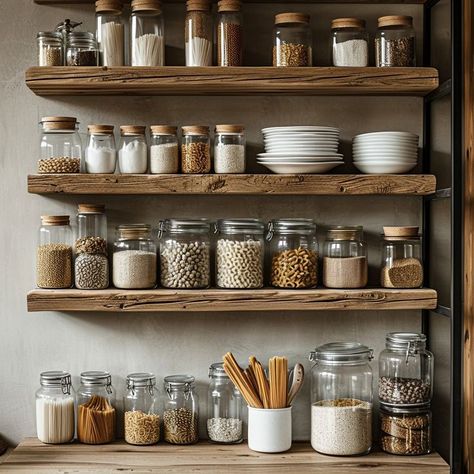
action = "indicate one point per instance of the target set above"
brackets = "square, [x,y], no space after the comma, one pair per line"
[382,160]
[388,133]
[382,154]
[387,168]
[382,142]
[300,168]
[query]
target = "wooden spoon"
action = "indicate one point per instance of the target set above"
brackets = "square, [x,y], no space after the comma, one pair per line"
[297,383]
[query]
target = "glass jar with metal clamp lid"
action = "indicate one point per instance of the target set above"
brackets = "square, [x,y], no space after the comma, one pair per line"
[81,49]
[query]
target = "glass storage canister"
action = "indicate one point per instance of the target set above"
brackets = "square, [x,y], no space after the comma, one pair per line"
[240,252]
[50,48]
[134,260]
[60,145]
[195,150]
[395,42]
[294,252]
[64,28]
[81,49]
[133,150]
[164,150]
[185,253]
[229,149]
[181,410]
[350,43]
[405,431]
[142,410]
[198,33]
[54,253]
[341,399]
[225,408]
[405,370]
[110,32]
[101,152]
[55,408]
[229,33]
[402,265]
[345,258]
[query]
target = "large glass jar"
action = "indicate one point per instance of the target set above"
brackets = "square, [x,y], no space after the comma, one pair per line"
[55,408]
[54,253]
[229,149]
[292,40]
[195,150]
[341,399]
[345,258]
[198,33]
[405,370]
[110,32]
[50,48]
[134,261]
[101,152]
[142,410]
[395,42]
[229,33]
[81,49]
[294,252]
[96,408]
[181,410]
[147,34]
[164,150]
[133,150]
[240,253]
[60,145]
[185,253]
[350,43]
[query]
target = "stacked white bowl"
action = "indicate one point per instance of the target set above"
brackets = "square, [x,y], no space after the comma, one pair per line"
[385,152]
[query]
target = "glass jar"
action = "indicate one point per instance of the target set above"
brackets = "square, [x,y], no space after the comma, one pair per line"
[181,410]
[195,150]
[345,258]
[64,28]
[55,408]
[341,397]
[229,149]
[50,48]
[198,33]
[395,42]
[54,253]
[240,252]
[142,410]
[133,150]
[294,252]
[81,49]
[224,414]
[110,32]
[164,150]
[185,253]
[60,145]
[405,370]
[293,40]
[148,33]
[134,260]
[350,43]
[95,408]
[101,152]
[229,33]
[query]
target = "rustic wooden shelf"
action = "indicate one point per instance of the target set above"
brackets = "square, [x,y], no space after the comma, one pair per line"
[170,80]
[69,2]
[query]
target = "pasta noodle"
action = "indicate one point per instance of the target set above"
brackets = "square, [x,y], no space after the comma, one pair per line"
[96,421]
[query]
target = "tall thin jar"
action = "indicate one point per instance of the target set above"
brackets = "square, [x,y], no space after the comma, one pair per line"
[198,33]
[111,32]
[229,33]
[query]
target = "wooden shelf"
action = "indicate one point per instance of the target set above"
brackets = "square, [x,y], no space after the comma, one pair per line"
[69,2]
[182,80]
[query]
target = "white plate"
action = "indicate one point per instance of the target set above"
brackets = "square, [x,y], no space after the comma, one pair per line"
[395,168]
[300,140]
[301,168]
[292,155]
[301,149]
[300,136]
[386,142]
[387,134]
[387,154]
[301,128]
[299,159]
[389,149]
[382,160]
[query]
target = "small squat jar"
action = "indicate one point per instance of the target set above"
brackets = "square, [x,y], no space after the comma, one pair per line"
[110,32]
[198,33]
[81,49]
[50,48]
[133,150]
[195,150]
[350,43]
[229,149]
[229,33]
[395,42]
[101,152]
[164,150]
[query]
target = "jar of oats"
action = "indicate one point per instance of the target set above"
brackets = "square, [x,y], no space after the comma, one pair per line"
[195,150]
[292,45]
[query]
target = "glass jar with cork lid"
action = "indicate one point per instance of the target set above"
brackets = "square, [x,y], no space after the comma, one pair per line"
[101,151]
[229,33]
[50,48]
[229,149]
[198,33]
[164,150]
[133,150]
[350,43]
[195,150]
[110,32]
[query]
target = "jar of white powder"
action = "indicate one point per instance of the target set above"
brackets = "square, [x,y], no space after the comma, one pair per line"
[101,152]
[164,151]
[229,149]
[133,150]
[350,43]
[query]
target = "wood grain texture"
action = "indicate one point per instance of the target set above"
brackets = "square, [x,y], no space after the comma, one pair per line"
[69,2]
[170,80]
[325,184]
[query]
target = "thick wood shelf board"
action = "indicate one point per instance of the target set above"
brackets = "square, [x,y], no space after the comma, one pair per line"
[182,80]
[69,2]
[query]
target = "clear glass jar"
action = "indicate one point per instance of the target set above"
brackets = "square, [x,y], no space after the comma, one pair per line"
[294,252]
[181,410]
[134,260]
[101,151]
[164,150]
[292,40]
[185,253]
[147,33]
[64,29]
[395,42]
[198,33]
[229,33]
[133,150]
[81,49]
[240,252]
[142,410]
[225,408]
[55,408]
[350,43]
[345,258]
[110,32]
[60,145]
[195,150]
[405,370]
[54,253]
[96,408]
[341,399]
[50,48]
[229,149]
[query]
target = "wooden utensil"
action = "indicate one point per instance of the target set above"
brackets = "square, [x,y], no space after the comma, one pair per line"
[297,383]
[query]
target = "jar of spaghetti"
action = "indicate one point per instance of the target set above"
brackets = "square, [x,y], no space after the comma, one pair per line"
[196,150]
[198,33]
[292,40]
[229,33]
[110,32]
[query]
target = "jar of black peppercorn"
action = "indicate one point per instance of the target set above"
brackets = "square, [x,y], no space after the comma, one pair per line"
[81,49]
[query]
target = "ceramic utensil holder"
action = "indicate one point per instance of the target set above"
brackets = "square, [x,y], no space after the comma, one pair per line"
[269,430]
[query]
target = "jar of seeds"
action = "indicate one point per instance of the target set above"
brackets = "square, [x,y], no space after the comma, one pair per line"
[50,48]
[101,152]
[81,49]
[164,150]
[292,40]
[350,43]
[181,410]
[110,32]
[198,33]
[133,150]
[196,150]
[240,253]
[185,253]
[229,33]
[229,149]
[395,42]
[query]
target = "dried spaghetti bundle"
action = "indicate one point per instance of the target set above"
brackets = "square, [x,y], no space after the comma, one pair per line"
[96,421]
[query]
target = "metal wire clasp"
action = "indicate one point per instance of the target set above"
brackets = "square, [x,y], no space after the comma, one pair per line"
[66,385]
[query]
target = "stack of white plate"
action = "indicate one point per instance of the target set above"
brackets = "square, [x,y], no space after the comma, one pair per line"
[385,152]
[300,150]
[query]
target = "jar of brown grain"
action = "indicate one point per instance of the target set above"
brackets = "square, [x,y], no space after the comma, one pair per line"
[195,150]
[292,37]
[229,33]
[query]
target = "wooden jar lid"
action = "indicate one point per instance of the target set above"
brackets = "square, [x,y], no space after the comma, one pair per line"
[195,130]
[229,5]
[111,6]
[59,123]
[400,232]
[229,128]
[347,23]
[91,208]
[101,129]
[133,231]
[291,18]
[132,130]
[146,5]
[163,129]
[395,20]
[198,5]
[55,220]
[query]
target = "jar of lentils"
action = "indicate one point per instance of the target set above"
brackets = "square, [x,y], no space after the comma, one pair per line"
[229,33]
[164,150]
[229,149]
[350,43]
[50,48]
[196,150]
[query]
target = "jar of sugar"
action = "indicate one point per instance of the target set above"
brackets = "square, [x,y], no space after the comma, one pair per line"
[164,151]
[133,150]
[101,152]
[350,43]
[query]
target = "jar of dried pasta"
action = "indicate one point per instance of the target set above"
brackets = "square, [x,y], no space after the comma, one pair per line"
[195,150]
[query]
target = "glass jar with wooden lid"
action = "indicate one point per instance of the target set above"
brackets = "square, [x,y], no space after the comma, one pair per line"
[350,42]
[164,150]
[133,150]
[229,33]
[101,151]
[50,48]
[229,149]
[195,150]
[111,32]
[198,33]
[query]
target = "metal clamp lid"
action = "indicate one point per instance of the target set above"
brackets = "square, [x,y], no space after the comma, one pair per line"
[140,380]
[217,370]
[55,378]
[182,226]
[408,342]
[97,377]
[335,352]
[290,226]
[239,226]
[184,383]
